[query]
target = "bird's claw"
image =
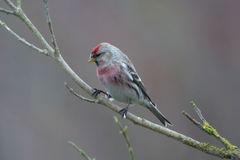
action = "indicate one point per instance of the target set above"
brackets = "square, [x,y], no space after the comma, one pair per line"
[96,92]
[123,112]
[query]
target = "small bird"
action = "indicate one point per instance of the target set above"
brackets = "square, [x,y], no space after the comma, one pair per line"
[120,79]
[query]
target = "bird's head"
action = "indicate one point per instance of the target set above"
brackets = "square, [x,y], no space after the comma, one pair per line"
[103,54]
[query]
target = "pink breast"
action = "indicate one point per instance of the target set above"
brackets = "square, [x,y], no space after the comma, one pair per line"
[107,74]
[107,71]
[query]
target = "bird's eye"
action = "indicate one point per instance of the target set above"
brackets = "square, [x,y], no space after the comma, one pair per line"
[97,55]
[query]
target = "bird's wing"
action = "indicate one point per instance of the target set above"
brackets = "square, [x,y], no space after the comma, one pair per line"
[133,77]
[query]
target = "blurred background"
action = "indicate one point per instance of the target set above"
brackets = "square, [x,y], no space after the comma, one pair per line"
[183,50]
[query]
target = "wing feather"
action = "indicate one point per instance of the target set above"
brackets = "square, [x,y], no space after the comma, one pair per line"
[133,77]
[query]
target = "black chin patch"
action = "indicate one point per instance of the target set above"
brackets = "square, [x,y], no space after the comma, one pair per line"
[97,63]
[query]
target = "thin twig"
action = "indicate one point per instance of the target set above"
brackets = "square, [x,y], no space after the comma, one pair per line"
[50,26]
[123,131]
[10,4]
[19,3]
[6,11]
[206,127]
[22,40]
[189,117]
[22,16]
[78,95]
[81,152]
[198,111]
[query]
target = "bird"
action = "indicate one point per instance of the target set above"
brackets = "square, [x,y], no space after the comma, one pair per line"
[120,80]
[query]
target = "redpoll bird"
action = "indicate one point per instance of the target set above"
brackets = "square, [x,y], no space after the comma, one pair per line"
[120,79]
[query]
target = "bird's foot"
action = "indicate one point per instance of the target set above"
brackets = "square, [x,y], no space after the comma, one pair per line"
[123,112]
[96,92]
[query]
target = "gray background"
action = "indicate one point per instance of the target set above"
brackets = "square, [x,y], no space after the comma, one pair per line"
[183,50]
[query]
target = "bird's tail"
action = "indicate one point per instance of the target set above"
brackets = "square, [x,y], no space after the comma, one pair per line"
[159,115]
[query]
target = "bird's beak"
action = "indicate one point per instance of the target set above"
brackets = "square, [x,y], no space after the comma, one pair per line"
[91,59]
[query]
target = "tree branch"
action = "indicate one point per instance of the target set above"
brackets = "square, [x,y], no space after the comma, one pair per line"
[206,127]
[79,96]
[19,3]
[81,152]
[205,147]
[22,40]
[10,4]
[18,12]
[50,26]
[7,11]
[123,132]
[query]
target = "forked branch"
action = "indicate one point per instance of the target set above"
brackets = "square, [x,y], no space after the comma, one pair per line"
[22,40]
[206,127]
[50,26]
